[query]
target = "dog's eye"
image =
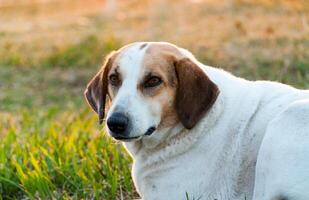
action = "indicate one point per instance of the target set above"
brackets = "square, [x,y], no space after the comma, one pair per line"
[114,79]
[152,82]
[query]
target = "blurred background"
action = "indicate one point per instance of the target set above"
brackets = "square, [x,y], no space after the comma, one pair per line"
[49,50]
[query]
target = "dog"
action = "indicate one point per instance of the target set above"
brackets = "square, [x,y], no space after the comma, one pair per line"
[198,132]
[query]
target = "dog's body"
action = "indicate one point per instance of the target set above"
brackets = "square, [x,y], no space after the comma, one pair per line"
[217,158]
[253,143]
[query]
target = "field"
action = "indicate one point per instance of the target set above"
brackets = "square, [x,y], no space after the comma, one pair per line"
[51,145]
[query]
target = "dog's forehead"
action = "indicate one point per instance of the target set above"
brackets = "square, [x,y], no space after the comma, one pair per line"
[135,58]
[130,59]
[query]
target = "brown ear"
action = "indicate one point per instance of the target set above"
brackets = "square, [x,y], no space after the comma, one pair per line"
[96,90]
[196,93]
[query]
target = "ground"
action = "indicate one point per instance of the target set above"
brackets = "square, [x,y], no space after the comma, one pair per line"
[51,144]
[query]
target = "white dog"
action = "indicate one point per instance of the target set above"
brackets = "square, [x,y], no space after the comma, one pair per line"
[198,132]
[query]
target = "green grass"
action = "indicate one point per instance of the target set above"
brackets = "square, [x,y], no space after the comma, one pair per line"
[62,155]
[88,52]
[57,79]
[51,146]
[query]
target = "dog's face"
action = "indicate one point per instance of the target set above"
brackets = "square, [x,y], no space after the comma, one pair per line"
[151,86]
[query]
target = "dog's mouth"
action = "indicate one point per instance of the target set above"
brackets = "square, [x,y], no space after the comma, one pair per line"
[129,139]
[150,130]
[126,139]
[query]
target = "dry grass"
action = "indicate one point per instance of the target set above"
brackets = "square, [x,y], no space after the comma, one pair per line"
[253,39]
[233,34]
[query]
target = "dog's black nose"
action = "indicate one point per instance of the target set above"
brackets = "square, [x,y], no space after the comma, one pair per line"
[118,123]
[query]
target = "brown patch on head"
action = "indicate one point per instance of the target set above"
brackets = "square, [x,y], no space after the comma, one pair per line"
[151,92]
[190,93]
[159,60]
[96,90]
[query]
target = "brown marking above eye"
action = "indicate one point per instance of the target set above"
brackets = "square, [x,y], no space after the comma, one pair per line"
[152,80]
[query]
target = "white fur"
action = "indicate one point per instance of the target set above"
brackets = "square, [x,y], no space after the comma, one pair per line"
[217,158]
[283,162]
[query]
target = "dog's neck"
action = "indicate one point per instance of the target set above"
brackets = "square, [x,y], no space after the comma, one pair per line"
[176,136]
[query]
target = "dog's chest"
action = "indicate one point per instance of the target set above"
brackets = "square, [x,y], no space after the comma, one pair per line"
[194,175]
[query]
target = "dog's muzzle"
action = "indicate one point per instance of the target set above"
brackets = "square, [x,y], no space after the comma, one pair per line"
[118,124]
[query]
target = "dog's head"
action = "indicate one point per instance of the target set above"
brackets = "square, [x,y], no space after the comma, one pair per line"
[150,86]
